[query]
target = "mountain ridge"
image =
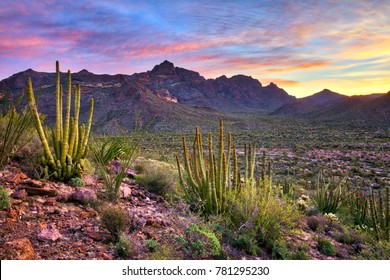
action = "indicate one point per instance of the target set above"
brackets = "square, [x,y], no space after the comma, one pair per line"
[171,93]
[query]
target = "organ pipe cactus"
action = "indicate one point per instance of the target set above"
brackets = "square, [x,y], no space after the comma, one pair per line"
[208,178]
[70,140]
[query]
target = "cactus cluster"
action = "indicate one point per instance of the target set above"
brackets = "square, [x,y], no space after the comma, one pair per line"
[209,177]
[69,139]
[379,210]
[372,210]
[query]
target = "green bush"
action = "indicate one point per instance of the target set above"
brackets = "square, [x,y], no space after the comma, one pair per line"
[301,255]
[115,220]
[262,214]
[76,182]
[326,247]
[280,251]
[123,247]
[158,178]
[314,223]
[164,252]
[152,245]
[246,243]
[199,242]
[4,198]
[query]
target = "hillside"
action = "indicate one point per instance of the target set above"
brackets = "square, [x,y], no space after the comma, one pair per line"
[362,111]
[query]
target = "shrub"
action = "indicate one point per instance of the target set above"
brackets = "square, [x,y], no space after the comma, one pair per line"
[262,214]
[326,247]
[76,182]
[164,252]
[115,220]
[314,223]
[301,255]
[123,247]
[13,126]
[198,242]
[4,198]
[280,252]
[246,243]
[157,178]
[152,245]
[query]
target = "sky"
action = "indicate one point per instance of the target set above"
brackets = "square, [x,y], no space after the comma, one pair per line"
[302,46]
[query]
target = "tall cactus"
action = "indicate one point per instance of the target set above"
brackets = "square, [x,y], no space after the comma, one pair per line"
[210,177]
[66,158]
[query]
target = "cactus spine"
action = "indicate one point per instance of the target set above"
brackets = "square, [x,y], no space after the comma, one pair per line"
[70,140]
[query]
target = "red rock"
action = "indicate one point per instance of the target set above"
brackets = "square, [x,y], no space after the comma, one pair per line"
[17,178]
[19,249]
[20,194]
[36,183]
[106,256]
[50,233]
[83,195]
[39,191]
[87,215]
[97,236]
[50,202]
[124,191]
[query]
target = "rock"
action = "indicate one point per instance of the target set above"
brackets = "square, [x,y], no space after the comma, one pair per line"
[20,194]
[131,173]
[89,180]
[84,195]
[19,249]
[50,202]
[97,236]
[124,191]
[39,191]
[50,234]
[36,183]
[17,178]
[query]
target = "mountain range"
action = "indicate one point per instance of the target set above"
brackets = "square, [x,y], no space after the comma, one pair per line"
[184,97]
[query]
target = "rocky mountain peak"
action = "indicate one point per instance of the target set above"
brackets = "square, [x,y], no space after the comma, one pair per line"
[165,68]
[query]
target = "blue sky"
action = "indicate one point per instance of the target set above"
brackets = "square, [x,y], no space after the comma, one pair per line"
[303,46]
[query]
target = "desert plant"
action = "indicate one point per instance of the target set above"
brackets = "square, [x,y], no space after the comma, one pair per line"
[158,178]
[123,247]
[208,178]
[115,220]
[199,242]
[280,252]
[247,243]
[124,147]
[164,252]
[12,126]
[152,245]
[314,222]
[325,246]
[70,141]
[262,214]
[329,196]
[76,182]
[4,198]
[380,213]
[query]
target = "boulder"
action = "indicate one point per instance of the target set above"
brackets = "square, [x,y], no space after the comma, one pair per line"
[49,234]
[19,249]
[84,195]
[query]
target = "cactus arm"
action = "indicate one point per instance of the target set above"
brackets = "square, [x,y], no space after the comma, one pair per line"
[33,107]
